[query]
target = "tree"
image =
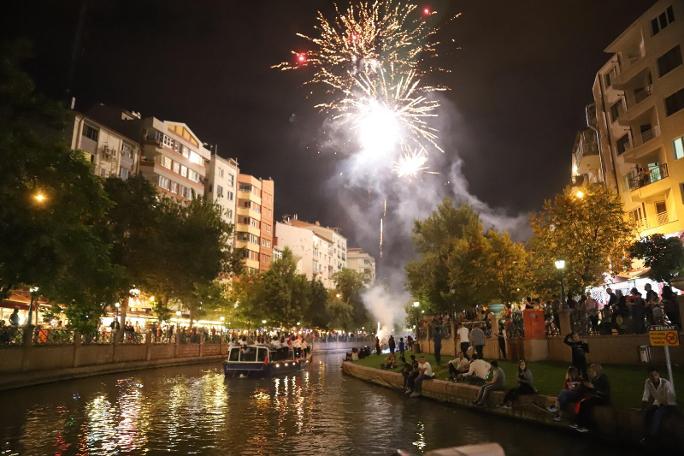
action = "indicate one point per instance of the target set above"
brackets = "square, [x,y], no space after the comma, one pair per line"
[340,312]
[133,229]
[318,316]
[453,270]
[349,285]
[511,266]
[588,230]
[665,256]
[52,205]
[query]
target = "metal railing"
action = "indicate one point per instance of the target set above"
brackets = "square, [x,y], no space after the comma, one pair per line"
[641,178]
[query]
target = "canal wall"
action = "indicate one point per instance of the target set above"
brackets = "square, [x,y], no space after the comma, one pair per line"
[617,425]
[35,364]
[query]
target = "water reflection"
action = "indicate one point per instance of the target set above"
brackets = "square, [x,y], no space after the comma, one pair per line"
[194,410]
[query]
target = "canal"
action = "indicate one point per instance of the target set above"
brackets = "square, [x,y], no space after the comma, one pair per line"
[193,410]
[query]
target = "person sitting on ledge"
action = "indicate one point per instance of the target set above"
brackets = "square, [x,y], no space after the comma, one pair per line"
[390,362]
[597,393]
[477,372]
[525,385]
[424,373]
[497,382]
[409,372]
[571,393]
[457,366]
[658,401]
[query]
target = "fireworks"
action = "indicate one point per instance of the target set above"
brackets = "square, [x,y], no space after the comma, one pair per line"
[411,163]
[370,60]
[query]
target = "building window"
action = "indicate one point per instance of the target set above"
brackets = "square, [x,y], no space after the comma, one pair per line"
[231,179]
[193,176]
[90,132]
[195,157]
[220,172]
[176,167]
[164,182]
[245,187]
[674,102]
[678,144]
[622,144]
[169,142]
[126,150]
[615,110]
[669,61]
[230,196]
[183,171]
[123,173]
[166,162]
[219,191]
[229,213]
[663,20]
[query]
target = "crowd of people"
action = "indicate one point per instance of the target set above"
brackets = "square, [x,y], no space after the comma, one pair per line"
[585,386]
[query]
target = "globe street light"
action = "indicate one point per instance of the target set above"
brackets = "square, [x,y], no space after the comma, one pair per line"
[560,264]
[34,293]
[416,304]
[579,194]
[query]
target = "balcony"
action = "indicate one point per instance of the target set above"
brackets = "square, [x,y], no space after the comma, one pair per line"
[643,145]
[626,116]
[641,178]
[632,64]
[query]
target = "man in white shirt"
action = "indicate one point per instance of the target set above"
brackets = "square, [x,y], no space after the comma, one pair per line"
[424,373]
[658,400]
[463,337]
[477,372]
[459,365]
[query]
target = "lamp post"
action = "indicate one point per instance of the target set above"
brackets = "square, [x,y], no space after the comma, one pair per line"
[34,293]
[560,266]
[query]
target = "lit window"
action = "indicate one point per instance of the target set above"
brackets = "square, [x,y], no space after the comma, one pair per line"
[195,158]
[679,147]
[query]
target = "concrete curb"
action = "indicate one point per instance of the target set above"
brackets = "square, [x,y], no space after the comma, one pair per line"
[24,379]
[615,425]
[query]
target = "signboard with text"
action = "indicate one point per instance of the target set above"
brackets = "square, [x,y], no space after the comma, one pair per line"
[663,336]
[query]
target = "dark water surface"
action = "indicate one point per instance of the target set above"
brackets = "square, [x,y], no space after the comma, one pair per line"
[193,410]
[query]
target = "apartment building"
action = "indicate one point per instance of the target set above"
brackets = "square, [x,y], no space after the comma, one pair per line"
[336,260]
[361,262]
[221,186]
[173,158]
[254,221]
[639,98]
[112,151]
[312,252]
[586,162]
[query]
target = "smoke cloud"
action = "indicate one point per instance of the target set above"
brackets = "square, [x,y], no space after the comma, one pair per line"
[362,188]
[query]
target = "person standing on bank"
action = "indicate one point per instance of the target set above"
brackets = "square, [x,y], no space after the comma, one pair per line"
[464,339]
[579,352]
[477,339]
[377,346]
[392,345]
[437,339]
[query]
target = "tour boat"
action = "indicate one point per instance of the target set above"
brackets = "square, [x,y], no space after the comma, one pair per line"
[262,361]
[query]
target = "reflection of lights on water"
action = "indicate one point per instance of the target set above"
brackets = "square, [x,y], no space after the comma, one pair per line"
[420,442]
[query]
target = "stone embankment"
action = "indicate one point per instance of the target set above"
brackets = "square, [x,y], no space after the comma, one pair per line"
[623,426]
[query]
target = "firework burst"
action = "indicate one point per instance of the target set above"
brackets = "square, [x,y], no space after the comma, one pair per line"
[370,59]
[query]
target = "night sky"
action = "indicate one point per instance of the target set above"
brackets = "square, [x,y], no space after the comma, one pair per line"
[519,82]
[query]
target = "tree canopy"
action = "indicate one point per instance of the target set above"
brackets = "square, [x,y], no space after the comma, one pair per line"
[664,256]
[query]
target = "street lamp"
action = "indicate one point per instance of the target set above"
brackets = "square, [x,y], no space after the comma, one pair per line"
[560,266]
[579,194]
[34,294]
[39,197]
[416,304]
[263,322]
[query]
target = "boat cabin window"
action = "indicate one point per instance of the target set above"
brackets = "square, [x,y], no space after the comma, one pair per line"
[234,354]
[282,354]
[248,354]
[262,355]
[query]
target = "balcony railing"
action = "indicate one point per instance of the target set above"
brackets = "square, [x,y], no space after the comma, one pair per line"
[641,178]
